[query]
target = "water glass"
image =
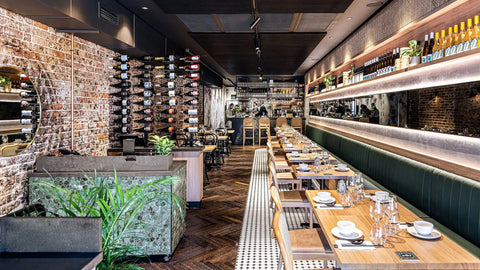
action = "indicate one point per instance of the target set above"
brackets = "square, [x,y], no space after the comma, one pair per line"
[359,186]
[378,233]
[391,210]
[377,210]
[317,164]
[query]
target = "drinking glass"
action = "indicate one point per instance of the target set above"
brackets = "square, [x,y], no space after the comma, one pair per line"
[359,186]
[352,188]
[378,233]
[377,210]
[391,211]
[317,163]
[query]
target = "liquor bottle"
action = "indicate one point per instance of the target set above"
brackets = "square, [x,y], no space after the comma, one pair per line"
[27,95]
[461,38]
[122,94]
[168,129]
[144,129]
[191,120]
[123,111]
[455,39]
[123,102]
[445,43]
[25,103]
[121,58]
[449,42]
[146,85]
[145,120]
[168,120]
[191,85]
[431,43]
[123,84]
[191,102]
[190,112]
[194,76]
[476,33]
[193,93]
[392,62]
[123,129]
[468,36]
[169,111]
[143,76]
[436,46]
[441,49]
[121,76]
[192,67]
[170,93]
[123,120]
[122,67]
[191,129]
[166,84]
[425,50]
[144,112]
[146,102]
[170,102]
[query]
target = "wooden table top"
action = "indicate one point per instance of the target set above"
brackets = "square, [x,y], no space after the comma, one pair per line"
[442,253]
[326,174]
[209,148]
[230,131]
[223,137]
[304,158]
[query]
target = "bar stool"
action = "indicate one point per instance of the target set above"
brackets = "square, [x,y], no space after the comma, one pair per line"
[281,121]
[263,124]
[248,125]
[297,124]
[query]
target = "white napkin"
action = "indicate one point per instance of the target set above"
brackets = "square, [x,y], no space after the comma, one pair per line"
[289,145]
[324,207]
[356,247]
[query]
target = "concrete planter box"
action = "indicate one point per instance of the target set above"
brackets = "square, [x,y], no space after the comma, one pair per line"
[104,163]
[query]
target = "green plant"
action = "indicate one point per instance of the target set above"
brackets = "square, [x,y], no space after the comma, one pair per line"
[413,50]
[163,145]
[118,207]
[237,108]
[4,81]
[328,80]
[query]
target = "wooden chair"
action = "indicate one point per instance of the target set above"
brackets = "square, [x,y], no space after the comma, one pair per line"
[281,121]
[279,162]
[304,244]
[297,124]
[263,125]
[248,125]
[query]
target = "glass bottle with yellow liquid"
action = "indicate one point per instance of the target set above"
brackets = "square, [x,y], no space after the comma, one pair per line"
[455,39]
[468,36]
[437,47]
[447,45]
[476,33]
[461,38]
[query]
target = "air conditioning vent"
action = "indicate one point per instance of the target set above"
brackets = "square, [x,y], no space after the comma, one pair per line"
[108,16]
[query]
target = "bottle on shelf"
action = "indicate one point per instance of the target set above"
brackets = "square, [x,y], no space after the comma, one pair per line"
[193,93]
[25,103]
[122,67]
[170,102]
[28,95]
[143,76]
[166,85]
[167,129]
[146,102]
[191,102]
[191,129]
[144,93]
[123,129]
[192,67]
[448,42]
[476,33]
[468,36]
[194,76]
[123,84]
[144,112]
[148,119]
[29,130]
[170,75]
[168,120]
[431,43]
[144,129]
[28,121]
[29,113]
[121,76]
[123,111]
[191,85]
[123,102]
[461,39]
[146,85]
[148,59]
[121,58]
[123,120]
[148,67]
[425,50]
[190,112]
[170,93]
[438,49]
[191,58]
[191,120]
[122,94]
[455,39]
[169,111]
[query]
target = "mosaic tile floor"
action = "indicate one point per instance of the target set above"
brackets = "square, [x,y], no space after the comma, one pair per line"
[257,249]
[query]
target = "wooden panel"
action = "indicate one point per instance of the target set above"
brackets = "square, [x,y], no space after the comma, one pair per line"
[194,173]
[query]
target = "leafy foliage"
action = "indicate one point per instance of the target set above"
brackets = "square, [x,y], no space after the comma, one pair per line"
[118,208]
[163,145]
[328,80]
[413,49]
[4,81]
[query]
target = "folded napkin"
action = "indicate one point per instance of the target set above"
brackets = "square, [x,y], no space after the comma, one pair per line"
[325,207]
[347,245]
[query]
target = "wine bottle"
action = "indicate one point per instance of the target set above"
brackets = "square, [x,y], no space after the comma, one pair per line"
[191,85]
[192,67]
[146,85]
[146,102]
[147,59]
[436,46]
[121,76]
[123,129]
[123,84]
[145,93]
[122,94]
[123,111]
[448,42]
[191,120]
[170,102]
[123,120]
[170,75]
[29,113]
[191,58]
[425,50]
[168,120]
[191,112]
[191,102]
[194,76]
[455,39]
[168,129]
[461,39]
[476,33]
[121,58]
[28,121]
[145,120]
[430,46]
[28,130]
[122,67]
[25,103]
[144,112]
[169,111]
[144,129]
[145,67]
[468,36]
[191,129]
[123,102]
[28,95]
[170,93]
[166,84]
[143,76]
[190,94]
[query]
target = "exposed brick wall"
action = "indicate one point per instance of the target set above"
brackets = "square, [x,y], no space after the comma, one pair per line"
[447,108]
[45,57]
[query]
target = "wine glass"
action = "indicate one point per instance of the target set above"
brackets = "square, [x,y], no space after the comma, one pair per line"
[352,188]
[378,233]
[377,210]
[317,164]
[359,186]
[391,210]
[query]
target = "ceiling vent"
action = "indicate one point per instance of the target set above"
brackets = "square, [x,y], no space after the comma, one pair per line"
[108,16]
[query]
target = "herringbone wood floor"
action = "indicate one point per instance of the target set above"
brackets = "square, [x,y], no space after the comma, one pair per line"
[213,231]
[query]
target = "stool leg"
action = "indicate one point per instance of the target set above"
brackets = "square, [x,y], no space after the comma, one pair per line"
[243,136]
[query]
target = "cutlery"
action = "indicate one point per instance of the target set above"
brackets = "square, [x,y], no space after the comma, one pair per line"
[354,245]
[409,224]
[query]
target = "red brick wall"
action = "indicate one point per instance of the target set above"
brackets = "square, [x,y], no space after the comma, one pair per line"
[45,56]
[447,108]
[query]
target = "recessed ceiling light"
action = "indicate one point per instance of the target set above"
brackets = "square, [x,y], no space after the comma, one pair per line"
[375,4]
[349,18]
[330,37]
[144,8]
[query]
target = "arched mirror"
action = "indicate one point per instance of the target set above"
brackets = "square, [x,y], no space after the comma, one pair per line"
[19,111]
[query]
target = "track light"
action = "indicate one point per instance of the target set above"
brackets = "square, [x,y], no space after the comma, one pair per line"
[255,23]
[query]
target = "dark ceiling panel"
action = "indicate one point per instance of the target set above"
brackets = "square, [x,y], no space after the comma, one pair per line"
[282,53]
[245,6]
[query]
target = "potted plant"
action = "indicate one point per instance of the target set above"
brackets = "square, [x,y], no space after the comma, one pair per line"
[414,52]
[328,80]
[5,83]
[164,147]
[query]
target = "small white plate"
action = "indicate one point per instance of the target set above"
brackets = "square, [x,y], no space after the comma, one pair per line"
[433,235]
[295,155]
[355,235]
[303,170]
[329,200]
[342,170]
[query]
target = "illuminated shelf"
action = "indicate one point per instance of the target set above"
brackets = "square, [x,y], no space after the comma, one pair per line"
[456,69]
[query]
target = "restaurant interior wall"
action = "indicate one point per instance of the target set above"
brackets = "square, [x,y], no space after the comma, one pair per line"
[44,55]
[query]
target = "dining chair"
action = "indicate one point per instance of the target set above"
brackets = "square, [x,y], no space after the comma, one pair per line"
[303,244]
[280,122]
[263,125]
[297,123]
[248,125]
[280,163]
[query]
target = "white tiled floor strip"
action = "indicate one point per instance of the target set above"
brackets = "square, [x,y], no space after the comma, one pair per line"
[257,249]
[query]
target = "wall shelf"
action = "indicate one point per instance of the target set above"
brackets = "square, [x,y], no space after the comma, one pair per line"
[456,69]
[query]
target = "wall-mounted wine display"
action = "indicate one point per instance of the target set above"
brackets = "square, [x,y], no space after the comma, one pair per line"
[20,111]
[156,95]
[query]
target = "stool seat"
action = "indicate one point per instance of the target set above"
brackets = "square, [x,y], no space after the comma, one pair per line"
[263,125]
[248,125]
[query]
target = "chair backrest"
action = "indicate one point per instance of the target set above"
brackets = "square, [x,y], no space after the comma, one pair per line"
[280,122]
[264,121]
[273,172]
[210,139]
[296,122]
[280,229]
[276,198]
[248,122]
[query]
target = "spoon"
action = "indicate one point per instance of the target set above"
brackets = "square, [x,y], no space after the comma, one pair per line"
[358,241]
